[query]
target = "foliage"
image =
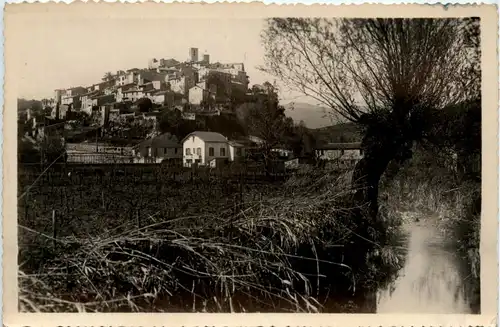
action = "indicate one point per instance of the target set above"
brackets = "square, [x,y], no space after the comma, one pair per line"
[385,74]
[280,248]
[430,185]
[378,61]
[266,119]
[144,104]
[23,104]
[301,140]
[339,133]
[52,149]
[107,76]
[172,122]
[26,152]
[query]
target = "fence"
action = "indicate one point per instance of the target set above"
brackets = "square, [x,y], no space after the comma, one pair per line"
[65,174]
[96,158]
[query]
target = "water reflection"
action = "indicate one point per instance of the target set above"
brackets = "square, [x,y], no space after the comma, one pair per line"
[430,281]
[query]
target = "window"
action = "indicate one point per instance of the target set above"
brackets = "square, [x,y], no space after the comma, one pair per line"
[198,151]
[175,150]
[211,152]
[222,152]
[188,151]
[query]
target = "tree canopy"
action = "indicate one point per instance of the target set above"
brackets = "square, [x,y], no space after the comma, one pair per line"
[387,74]
[355,66]
[144,104]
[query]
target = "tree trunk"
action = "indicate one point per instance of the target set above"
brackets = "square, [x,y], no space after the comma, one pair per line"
[388,137]
[366,178]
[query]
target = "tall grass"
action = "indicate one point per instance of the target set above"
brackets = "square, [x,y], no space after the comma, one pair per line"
[287,251]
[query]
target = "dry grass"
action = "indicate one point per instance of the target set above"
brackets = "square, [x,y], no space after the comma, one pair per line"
[235,260]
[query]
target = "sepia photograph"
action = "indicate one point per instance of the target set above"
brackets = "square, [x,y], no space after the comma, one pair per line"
[272,164]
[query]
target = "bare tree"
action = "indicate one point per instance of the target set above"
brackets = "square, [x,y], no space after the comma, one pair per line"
[265,118]
[385,74]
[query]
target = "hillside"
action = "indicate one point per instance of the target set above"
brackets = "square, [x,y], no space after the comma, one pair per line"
[312,115]
[24,104]
[345,132]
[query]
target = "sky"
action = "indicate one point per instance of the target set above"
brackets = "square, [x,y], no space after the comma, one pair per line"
[62,51]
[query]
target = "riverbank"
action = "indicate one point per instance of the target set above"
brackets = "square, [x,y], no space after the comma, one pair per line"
[439,197]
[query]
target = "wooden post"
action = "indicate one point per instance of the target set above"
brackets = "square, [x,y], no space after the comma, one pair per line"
[102,199]
[54,228]
[138,218]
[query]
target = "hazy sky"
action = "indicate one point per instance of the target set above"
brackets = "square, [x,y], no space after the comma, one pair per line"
[61,51]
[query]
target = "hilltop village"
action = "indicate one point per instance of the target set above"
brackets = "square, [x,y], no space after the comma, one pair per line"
[187,113]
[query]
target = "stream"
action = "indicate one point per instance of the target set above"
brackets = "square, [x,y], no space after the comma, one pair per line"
[431,280]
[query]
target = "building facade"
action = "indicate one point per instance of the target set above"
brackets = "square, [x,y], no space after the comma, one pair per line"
[236,151]
[199,148]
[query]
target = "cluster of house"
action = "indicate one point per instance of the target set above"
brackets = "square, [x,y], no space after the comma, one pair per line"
[196,149]
[200,148]
[166,82]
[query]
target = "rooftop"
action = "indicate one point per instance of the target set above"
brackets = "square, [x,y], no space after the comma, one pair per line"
[236,144]
[207,136]
[131,90]
[161,141]
[103,96]
[91,93]
[126,86]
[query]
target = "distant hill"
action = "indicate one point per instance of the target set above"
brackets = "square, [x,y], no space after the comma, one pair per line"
[312,115]
[345,132]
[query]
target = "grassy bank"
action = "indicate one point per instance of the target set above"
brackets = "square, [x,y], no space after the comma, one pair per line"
[286,247]
[428,186]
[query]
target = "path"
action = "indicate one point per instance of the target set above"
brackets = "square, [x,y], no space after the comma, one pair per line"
[430,281]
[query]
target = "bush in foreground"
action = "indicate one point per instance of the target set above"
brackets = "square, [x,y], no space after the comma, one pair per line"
[285,252]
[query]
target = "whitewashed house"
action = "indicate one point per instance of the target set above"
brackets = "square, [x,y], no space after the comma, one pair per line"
[201,148]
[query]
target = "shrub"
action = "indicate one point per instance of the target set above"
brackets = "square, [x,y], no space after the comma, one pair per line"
[284,251]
